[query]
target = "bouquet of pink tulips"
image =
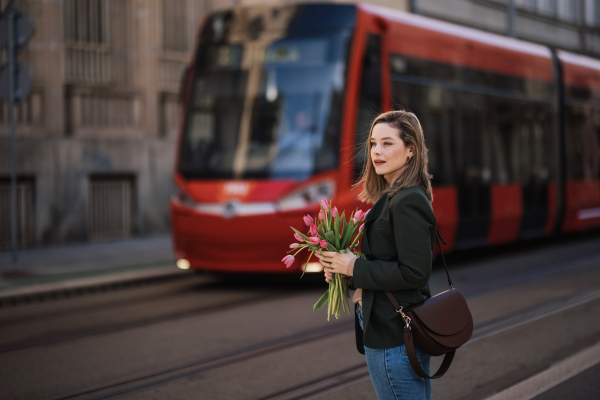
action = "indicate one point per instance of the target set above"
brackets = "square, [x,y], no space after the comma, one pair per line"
[330,232]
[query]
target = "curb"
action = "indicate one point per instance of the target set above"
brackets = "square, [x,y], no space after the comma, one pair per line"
[40,292]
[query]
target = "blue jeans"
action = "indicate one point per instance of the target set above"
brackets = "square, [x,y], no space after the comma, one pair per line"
[392,375]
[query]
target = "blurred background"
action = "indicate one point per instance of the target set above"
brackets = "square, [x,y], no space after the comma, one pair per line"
[166,137]
[97,135]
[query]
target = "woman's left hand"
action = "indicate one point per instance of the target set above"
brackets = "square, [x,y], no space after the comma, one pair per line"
[334,262]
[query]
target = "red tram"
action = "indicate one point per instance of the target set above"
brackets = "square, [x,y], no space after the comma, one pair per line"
[278,99]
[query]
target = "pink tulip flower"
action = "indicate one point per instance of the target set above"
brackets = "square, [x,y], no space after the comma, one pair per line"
[308,220]
[288,260]
[324,204]
[298,237]
[314,240]
[334,212]
[366,213]
[313,230]
[294,245]
[361,227]
[323,244]
[358,216]
[321,215]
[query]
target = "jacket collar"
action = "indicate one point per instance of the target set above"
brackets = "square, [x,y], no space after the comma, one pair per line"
[376,209]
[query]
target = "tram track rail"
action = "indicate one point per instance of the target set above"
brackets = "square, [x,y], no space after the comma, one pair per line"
[8,301]
[147,298]
[177,372]
[102,330]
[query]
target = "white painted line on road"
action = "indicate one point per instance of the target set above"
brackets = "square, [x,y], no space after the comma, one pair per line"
[551,377]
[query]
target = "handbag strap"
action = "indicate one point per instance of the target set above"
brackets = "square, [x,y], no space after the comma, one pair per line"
[414,363]
[408,342]
[438,237]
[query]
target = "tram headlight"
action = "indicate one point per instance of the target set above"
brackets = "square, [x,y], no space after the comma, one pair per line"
[182,263]
[314,267]
[307,196]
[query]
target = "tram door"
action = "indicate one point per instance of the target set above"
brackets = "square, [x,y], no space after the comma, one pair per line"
[471,169]
[535,145]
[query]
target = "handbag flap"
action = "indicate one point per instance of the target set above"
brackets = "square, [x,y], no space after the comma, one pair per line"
[446,313]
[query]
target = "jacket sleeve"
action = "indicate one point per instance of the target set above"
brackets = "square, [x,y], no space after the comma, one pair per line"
[411,223]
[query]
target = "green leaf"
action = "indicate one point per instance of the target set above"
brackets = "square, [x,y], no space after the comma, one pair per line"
[321,302]
[307,261]
[321,230]
[347,234]
[330,236]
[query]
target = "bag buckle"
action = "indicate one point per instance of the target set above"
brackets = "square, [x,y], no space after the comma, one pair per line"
[405,317]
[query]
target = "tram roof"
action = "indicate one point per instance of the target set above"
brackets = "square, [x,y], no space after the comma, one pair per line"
[448,28]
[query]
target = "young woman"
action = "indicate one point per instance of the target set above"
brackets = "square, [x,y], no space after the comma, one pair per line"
[398,242]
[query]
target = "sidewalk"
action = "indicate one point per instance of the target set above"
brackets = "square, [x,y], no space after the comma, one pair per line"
[48,269]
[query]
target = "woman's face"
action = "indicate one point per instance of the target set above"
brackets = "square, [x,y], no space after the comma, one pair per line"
[388,152]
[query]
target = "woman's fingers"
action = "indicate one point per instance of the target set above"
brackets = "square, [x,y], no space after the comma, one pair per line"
[328,276]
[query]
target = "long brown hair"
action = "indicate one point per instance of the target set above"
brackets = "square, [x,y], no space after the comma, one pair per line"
[411,133]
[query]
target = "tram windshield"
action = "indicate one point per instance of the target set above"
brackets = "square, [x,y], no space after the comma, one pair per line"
[261,111]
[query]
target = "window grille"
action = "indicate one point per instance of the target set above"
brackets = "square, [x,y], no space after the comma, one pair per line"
[110,207]
[175,27]
[27,113]
[86,30]
[25,217]
[107,111]
[169,115]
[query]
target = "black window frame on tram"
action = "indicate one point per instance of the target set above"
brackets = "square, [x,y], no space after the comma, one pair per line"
[477,92]
[582,133]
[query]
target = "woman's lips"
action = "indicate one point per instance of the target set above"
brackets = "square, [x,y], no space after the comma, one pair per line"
[379,162]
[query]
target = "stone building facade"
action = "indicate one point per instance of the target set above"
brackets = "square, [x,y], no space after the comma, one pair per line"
[96,138]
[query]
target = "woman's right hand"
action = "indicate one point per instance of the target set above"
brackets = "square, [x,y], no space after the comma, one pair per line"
[328,275]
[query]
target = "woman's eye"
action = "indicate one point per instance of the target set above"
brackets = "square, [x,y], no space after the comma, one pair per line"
[387,143]
[372,144]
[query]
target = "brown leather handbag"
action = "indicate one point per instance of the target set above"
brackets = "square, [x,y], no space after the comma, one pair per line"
[437,326]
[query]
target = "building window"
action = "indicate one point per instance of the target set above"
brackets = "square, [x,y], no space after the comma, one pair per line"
[568,10]
[110,207]
[86,29]
[547,7]
[25,217]
[595,12]
[175,27]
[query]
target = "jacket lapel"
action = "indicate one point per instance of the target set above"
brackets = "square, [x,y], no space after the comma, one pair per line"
[376,210]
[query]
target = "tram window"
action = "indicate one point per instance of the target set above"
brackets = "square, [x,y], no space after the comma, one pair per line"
[582,142]
[369,105]
[431,105]
[520,140]
[474,135]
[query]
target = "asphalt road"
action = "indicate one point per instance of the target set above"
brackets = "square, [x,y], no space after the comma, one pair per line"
[536,310]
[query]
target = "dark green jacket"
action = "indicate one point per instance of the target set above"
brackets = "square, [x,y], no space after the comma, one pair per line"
[398,241]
